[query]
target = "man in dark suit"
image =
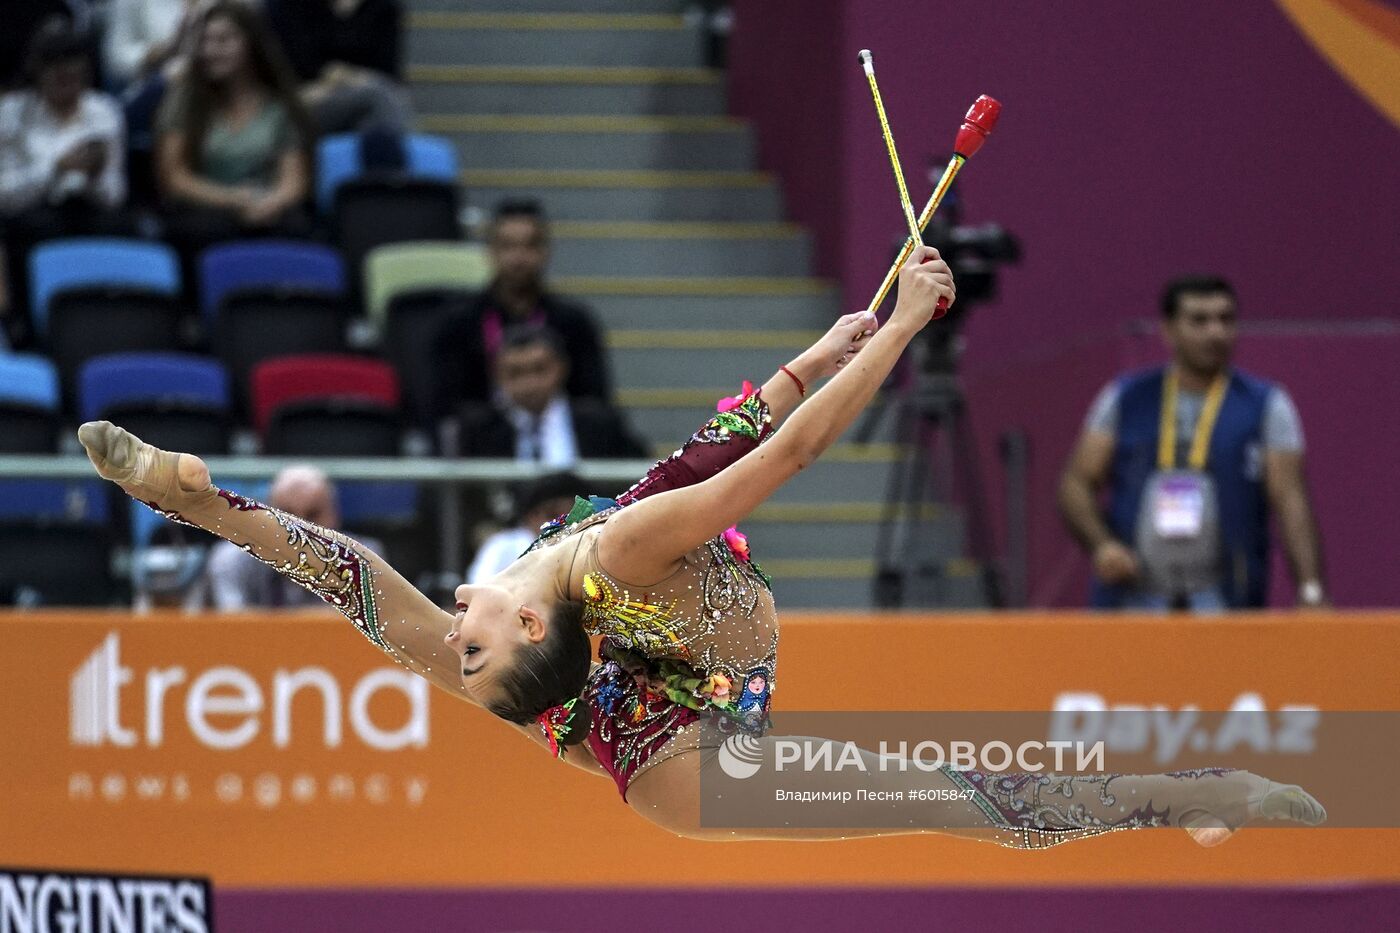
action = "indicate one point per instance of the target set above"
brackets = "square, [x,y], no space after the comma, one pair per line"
[468,342]
[532,418]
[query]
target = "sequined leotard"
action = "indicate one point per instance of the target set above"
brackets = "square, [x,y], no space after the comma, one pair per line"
[704,638]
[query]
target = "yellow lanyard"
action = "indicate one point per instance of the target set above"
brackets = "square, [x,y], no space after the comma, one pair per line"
[1205,425]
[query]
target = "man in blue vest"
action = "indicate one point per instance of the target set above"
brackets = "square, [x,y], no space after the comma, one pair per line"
[1195,456]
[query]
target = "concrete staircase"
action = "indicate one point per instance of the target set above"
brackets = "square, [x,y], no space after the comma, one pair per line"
[603,110]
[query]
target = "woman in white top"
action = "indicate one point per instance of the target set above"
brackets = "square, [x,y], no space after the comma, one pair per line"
[62,150]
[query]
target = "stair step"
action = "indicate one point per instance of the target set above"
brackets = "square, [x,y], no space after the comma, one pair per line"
[566,143]
[557,6]
[733,287]
[669,416]
[847,584]
[658,339]
[841,539]
[706,312]
[673,249]
[697,368]
[523,90]
[823,584]
[571,39]
[633,196]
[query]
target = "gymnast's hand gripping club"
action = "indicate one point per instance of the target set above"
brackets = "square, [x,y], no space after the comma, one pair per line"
[981,119]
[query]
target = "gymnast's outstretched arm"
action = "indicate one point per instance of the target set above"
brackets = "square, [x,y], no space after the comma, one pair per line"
[646,541]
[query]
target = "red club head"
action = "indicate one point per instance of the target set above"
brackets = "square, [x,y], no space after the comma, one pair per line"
[977,126]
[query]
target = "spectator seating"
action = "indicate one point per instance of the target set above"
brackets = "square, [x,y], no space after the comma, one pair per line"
[341,406]
[401,267]
[102,262]
[334,427]
[172,400]
[253,326]
[378,505]
[412,324]
[98,320]
[371,212]
[56,564]
[263,264]
[29,404]
[410,289]
[29,424]
[318,378]
[338,160]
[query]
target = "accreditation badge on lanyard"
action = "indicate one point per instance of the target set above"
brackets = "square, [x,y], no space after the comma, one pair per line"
[1180,496]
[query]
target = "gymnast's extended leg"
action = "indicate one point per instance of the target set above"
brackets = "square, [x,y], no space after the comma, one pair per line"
[385,607]
[1017,810]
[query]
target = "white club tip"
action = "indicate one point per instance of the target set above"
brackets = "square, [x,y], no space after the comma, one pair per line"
[867,61]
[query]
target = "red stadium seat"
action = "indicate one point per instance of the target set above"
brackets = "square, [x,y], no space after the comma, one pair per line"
[287,379]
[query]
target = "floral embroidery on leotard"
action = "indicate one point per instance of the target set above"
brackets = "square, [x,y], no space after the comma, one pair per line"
[745,415]
[645,626]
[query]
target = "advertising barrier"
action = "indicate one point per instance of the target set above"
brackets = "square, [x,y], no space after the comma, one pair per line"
[262,751]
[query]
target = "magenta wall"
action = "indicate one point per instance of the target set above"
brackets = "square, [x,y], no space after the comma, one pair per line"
[1339,907]
[782,78]
[1138,142]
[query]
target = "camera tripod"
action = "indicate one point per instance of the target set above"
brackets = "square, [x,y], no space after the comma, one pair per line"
[918,553]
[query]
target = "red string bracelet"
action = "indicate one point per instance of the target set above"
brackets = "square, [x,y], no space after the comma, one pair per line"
[801,389]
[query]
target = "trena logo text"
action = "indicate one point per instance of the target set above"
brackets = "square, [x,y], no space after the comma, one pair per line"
[102,688]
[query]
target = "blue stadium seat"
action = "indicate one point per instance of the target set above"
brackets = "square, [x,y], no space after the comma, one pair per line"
[338,161]
[151,377]
[29,405]
[96,261]
[377,503]
[287,264]
[29,379]
[82,501]
[432,157]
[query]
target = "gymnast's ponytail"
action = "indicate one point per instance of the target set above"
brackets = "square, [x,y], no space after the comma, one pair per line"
[544,686]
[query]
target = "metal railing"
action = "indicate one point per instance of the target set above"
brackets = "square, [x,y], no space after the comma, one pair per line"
[451,475]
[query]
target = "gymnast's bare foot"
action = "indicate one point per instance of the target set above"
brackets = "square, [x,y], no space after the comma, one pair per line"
[144,472]
[1263,800]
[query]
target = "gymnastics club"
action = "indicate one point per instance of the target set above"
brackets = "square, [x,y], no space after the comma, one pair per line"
[981,119]
[867,61]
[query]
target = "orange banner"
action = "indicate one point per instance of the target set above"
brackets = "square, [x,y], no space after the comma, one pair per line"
[286,751]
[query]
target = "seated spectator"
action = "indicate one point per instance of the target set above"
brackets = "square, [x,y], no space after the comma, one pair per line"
[532,419]
[233,141]
[536,503]
[237,581]
[62,147]
[519,245]
[346,55]
[145,47]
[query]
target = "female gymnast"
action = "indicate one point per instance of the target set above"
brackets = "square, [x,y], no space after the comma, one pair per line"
[688,622]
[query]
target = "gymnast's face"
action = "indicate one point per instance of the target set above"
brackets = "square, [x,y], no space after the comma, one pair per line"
[491,627]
